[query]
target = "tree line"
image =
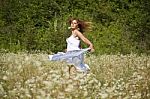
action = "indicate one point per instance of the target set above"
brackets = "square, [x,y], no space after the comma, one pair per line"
[118,26]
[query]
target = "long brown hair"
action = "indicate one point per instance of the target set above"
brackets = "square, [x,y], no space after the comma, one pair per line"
[82,25]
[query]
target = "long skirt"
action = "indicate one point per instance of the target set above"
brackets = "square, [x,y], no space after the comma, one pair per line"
[75,57]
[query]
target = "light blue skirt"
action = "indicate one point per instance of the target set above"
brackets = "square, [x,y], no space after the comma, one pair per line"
[75,58]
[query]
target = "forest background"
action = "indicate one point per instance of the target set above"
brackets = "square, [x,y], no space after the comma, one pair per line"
[118,26]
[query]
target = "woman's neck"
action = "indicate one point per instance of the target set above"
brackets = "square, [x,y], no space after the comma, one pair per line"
[73,32]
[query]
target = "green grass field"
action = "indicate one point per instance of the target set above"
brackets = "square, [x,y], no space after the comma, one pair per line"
[33,76]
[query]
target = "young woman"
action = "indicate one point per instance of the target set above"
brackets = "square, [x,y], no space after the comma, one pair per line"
[74,54]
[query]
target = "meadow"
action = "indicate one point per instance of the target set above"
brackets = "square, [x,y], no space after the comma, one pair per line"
[33,76]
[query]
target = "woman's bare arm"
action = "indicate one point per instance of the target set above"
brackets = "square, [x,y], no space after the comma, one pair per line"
[84,39]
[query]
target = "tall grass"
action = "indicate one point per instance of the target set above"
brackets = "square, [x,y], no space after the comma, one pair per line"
[33,76]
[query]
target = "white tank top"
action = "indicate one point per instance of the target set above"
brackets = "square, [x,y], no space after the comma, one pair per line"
[72,43]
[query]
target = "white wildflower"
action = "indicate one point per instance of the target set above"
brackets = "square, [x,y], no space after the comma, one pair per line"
[139,77]
[110,89]
[42,92]
[148,95]
[69,88]
[5,77]
[106,84]
[1,90]
[61,95]
[138,95]
[48,84]
[85,93]
[104,95]
[37,63]
[28,95]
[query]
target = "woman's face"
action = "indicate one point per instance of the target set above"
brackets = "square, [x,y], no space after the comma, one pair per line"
[74,24]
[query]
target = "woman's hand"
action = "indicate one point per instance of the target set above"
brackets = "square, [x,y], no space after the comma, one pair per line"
[91,48]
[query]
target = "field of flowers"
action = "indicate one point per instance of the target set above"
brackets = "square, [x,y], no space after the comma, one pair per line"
[33,76]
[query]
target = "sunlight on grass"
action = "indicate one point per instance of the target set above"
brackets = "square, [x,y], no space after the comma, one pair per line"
[33,76]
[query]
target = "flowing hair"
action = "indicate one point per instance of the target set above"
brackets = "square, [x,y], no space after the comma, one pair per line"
[82,25]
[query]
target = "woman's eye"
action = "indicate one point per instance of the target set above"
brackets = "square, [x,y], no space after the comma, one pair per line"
[74,23]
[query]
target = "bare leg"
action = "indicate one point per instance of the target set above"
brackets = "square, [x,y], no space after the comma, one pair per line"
[72,70]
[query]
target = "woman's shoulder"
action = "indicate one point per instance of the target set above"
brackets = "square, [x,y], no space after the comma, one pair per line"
[77,32]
